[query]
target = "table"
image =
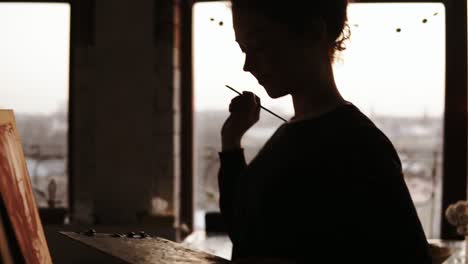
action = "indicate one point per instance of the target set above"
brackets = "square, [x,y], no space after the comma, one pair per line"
[458,248]
[217,244]
[220,245]
[143,248]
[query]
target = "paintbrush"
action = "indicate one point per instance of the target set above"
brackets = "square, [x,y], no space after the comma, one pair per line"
[260,105]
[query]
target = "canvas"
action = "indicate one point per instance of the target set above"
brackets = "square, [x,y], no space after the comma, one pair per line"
[16,192]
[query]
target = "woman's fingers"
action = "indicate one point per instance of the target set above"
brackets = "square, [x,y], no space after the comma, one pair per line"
[253,98]
[244,102]
[245,112]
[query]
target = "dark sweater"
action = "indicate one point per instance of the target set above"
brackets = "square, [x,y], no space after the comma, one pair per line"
[329,188]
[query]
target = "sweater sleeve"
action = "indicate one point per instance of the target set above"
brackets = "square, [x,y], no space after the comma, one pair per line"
[232,165]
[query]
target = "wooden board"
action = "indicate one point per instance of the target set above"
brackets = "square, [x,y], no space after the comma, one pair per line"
[16,192]
[145,250]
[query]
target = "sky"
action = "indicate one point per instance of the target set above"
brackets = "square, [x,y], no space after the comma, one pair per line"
[34,56]
[382,71]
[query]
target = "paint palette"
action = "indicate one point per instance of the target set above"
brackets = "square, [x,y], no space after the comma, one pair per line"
[138,249]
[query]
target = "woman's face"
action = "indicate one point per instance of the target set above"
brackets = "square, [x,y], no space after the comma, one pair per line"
[274,55]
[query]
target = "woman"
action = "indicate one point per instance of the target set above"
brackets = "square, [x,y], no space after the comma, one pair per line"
[328,185]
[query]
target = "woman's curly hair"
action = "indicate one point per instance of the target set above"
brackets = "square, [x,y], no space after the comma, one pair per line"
[298,15]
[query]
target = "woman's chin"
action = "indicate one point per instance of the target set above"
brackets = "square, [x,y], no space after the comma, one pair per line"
[275,94]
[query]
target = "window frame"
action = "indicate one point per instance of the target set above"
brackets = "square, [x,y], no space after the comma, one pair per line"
[455,135]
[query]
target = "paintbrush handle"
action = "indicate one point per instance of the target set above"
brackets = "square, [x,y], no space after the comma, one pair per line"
[260,105]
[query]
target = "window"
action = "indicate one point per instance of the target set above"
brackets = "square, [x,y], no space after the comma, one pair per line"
[217,62]
[34,82]
[393,69]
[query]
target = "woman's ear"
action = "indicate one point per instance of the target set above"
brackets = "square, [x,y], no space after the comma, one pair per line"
[311,32]
[316,31]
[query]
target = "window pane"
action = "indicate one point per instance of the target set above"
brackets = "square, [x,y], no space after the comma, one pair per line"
[217,62]
[393,70]
[34,82]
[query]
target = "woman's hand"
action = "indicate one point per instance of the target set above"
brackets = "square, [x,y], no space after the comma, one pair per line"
[245,112]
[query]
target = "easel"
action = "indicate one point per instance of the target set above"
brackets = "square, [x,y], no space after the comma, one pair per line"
[22,235]
[9,249]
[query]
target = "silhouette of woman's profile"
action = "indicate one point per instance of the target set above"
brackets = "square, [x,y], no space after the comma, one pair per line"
[328,184]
